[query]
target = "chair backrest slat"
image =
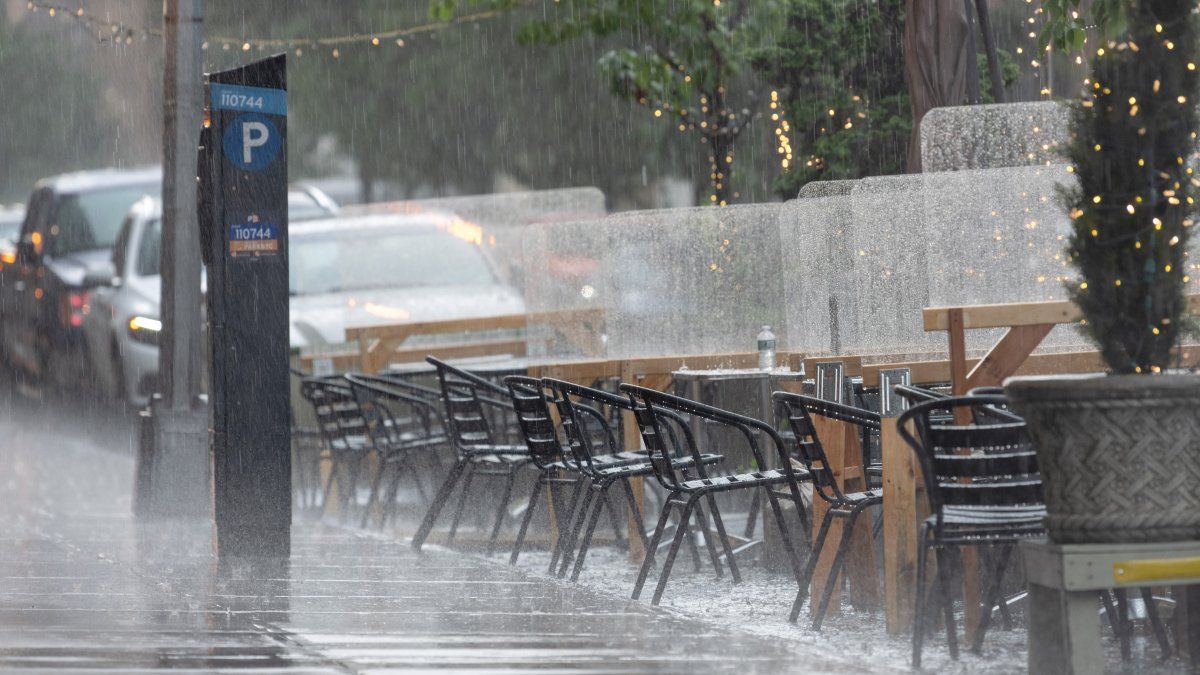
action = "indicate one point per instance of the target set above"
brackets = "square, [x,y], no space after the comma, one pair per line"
[582,410]
[800,411]
[987,464]
[533,418]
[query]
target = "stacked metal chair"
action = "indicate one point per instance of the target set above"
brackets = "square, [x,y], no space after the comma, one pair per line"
[400,424]
[661,416]
[467,400]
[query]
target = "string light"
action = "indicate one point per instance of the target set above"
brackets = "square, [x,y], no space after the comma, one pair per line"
[119,32]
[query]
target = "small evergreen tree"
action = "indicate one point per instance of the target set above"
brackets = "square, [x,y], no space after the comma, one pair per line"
[1132,136]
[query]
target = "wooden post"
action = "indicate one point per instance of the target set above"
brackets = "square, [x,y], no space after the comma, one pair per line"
[904,508]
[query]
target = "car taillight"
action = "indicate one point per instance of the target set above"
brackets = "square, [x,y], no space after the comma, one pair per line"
[75,307]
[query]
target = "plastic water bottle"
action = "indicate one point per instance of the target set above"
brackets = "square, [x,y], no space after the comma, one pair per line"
[766,349]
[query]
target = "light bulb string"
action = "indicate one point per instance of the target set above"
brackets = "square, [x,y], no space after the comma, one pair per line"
[125,29]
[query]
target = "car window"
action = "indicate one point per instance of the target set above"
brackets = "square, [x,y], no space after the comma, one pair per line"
[91,220]
[149,250]
[356,260]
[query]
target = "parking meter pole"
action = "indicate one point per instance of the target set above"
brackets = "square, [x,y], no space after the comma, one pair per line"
[173,461]
[243,226]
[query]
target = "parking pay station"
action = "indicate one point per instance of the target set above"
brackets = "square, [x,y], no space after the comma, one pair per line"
[244,234]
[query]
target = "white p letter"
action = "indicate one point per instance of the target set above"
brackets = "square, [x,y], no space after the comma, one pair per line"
[254,134]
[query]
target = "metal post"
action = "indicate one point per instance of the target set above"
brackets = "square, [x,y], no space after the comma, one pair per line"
[179,473]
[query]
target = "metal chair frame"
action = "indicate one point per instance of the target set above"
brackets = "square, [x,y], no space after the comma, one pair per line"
[532,405]
[398,423]
[984,489]
[343,435]
[847,506]
[467,399]
[577,406]
[652,410]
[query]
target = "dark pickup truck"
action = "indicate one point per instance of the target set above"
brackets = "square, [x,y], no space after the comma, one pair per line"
[70,225]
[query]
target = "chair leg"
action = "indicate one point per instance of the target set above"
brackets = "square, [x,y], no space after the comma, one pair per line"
[706,533]
[376,480]
[591,530]
[990,598]
[572,540]
[665,574]
[1123,622]
[813,557]
[615,514]
[648,562]
[351,494]
[921,594]
[463,498]
[503,509]
[439,502]
[635,512]
[1110,612]
[943,575]
[389,510]
[533,499]
[788,545]
[724,537]
[566,520]
[752,518]
[835,569]
[333,471]
[1160,631]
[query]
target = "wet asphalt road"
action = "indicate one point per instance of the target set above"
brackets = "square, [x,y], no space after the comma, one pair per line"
[85,589]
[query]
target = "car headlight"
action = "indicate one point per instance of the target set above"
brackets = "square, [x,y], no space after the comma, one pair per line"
[145,329]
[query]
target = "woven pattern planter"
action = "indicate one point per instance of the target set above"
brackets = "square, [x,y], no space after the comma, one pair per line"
[1120,455]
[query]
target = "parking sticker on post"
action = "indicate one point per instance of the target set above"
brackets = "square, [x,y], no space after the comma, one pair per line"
[253,237]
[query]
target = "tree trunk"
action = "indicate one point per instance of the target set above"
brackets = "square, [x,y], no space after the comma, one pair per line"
[935,61]
[989,48]
[366,182]
[722,159]
[974,97]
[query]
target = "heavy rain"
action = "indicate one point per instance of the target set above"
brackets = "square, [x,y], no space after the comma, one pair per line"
[832,336]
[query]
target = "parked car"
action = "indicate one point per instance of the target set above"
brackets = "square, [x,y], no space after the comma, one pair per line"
[122,323]
[68,230]
[10,230]
[389,268]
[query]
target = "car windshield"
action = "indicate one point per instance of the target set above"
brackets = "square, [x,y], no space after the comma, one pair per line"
[357,259]
[303,207]
[149,249]
[91,220]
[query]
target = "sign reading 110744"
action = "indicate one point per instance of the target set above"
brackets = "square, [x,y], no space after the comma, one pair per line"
[252,141]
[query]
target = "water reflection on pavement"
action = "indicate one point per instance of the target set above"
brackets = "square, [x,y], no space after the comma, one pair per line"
[83,588]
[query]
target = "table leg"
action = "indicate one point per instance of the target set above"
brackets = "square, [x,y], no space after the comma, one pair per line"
[1064,632]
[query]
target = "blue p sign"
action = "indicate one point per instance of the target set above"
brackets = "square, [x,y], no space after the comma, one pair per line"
[251,142]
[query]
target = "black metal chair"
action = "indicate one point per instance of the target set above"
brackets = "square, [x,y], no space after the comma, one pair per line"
[656,412]
[984,489]
[306,455]
[343,436]
[529,400]
[468,399]
[398,424]
[847,506]
[583,412]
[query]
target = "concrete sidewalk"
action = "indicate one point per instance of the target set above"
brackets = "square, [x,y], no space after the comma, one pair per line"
[84,589]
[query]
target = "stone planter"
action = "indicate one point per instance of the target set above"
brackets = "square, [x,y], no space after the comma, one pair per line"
[1119,455]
